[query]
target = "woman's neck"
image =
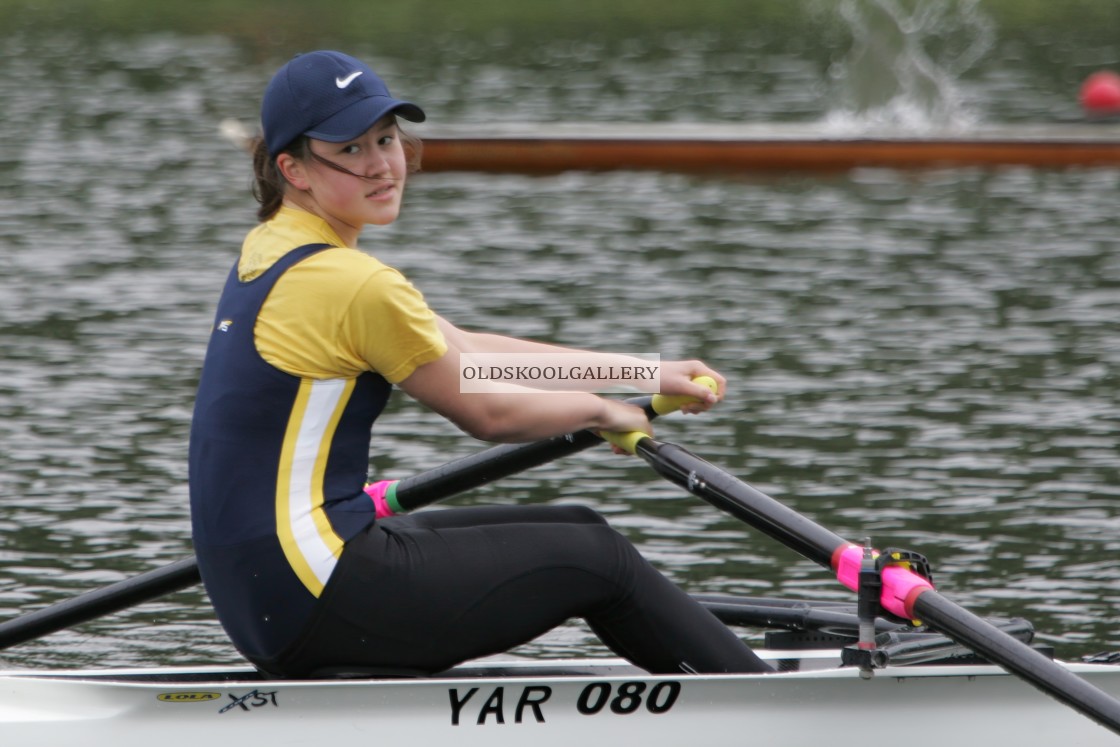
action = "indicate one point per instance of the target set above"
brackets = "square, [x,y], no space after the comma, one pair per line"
[349,234]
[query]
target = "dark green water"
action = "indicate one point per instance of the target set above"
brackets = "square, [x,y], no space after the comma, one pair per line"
[926,358]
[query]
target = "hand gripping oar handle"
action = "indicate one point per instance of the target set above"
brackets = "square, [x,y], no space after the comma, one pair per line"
[903,589]
[413,492]
[661,405]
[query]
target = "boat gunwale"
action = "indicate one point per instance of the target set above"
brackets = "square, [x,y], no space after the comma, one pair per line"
[506,671]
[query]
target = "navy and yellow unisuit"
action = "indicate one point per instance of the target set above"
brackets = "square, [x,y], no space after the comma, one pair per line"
[278,460]
[305,346]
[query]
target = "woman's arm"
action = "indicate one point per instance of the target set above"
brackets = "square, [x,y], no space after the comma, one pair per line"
[514,414]
[676,377]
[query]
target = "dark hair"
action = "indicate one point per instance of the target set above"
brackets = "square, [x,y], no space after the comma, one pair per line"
[269,184]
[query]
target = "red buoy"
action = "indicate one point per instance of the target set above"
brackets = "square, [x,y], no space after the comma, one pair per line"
[1100,93]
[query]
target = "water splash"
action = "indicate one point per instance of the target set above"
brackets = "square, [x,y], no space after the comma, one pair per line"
[905,64]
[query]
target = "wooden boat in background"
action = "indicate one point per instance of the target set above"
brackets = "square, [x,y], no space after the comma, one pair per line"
[549,148]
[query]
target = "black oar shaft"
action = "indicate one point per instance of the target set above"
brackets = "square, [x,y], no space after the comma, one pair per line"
[414,492]
[476,470]
[997,646]
[92,604]
[733,496]
[479,469]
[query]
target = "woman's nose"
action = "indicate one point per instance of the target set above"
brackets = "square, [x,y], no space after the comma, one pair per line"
[378,165]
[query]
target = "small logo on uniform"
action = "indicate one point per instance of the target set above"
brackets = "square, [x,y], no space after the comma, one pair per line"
[224,325]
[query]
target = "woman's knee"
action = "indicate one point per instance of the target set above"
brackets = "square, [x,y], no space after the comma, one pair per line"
[578,514]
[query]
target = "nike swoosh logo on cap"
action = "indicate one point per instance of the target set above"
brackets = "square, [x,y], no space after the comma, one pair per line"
[343,82]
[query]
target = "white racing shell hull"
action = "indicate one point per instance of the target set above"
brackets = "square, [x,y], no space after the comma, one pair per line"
[541,704]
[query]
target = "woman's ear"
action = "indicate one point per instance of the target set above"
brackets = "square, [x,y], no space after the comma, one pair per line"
[293,170]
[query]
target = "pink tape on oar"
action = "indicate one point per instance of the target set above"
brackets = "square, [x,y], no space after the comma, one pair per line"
[901,586]
[376,491]
[846,561]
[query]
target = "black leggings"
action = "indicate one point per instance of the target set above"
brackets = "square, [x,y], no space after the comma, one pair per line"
[425,592]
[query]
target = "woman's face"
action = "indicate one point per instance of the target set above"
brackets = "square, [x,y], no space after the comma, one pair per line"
[358,182]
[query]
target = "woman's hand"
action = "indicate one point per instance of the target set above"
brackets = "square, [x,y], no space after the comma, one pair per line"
[619,417]
[677,379]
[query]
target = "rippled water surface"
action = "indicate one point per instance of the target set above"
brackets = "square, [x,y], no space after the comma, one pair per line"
[925,358]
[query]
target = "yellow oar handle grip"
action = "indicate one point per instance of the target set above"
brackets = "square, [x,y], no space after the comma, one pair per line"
[662,405]
[628,442]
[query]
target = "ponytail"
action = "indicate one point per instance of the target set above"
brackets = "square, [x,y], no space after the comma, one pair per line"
[269,184]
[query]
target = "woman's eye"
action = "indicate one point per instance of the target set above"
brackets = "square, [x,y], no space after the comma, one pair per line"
[350,149]
[385,140]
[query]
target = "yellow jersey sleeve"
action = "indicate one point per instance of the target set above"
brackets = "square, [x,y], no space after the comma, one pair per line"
[340,313]
[391,327]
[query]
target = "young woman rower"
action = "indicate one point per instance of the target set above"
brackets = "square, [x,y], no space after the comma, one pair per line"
[306,567]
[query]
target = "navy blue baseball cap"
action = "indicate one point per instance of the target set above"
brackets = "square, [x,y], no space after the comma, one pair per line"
[327,96]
